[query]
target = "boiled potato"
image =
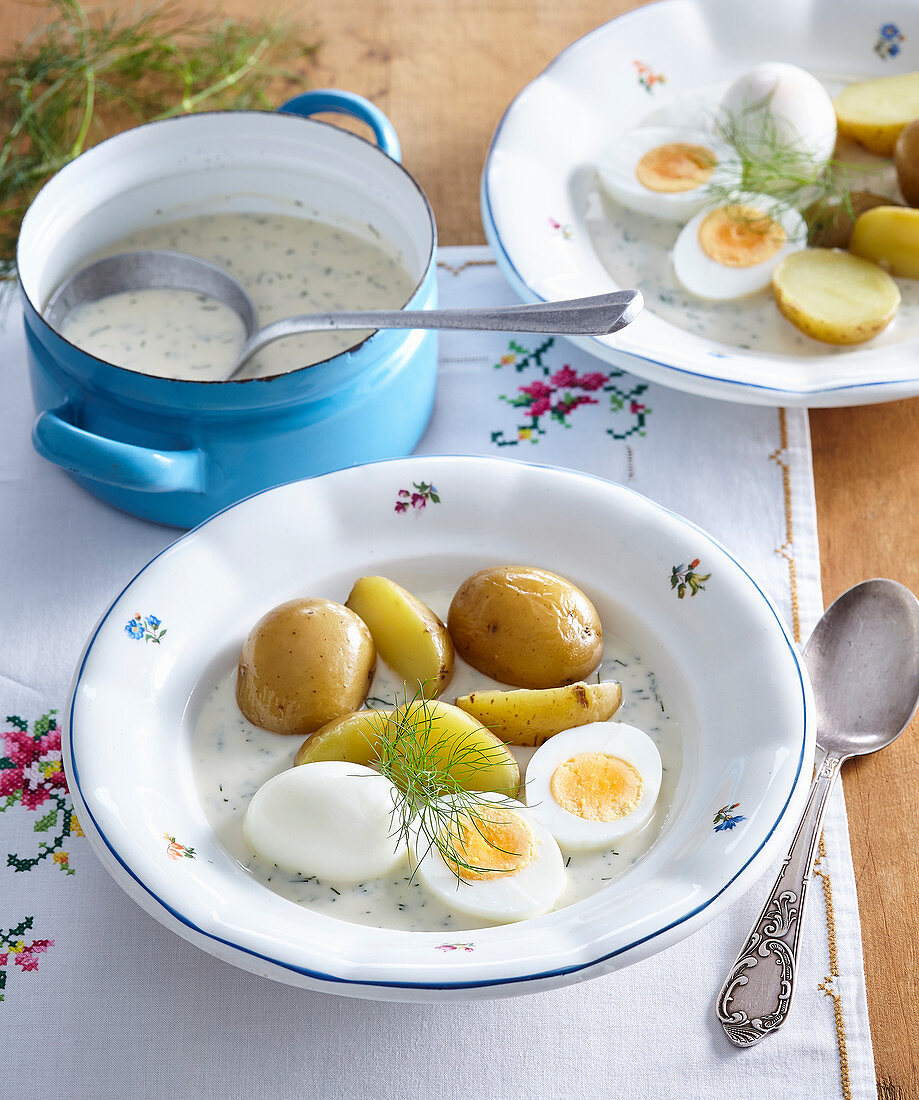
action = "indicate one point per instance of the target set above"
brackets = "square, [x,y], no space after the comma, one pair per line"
[889,236]
[408,635]
[873,112]
[526,627]
[304,663]
[355,738]
[830,223]
[529,717]
[429,735]
[906,162]
[834,296]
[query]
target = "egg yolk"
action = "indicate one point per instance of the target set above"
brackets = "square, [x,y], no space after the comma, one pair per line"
[678,166]
[596,786]
[740,236]
[490,842]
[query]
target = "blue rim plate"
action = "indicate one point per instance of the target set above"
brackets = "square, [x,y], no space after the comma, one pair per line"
[725,660]
[539,196]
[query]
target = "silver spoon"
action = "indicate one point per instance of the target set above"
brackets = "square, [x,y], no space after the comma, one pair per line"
[863,663]
[599,315]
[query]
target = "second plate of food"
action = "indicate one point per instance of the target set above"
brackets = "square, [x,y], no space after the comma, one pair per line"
[664,70]
[621,742]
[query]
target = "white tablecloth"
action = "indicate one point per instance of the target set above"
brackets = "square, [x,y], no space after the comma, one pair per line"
[99,1001]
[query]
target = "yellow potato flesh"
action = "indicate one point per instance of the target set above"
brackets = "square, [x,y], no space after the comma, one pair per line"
[835,297]
[408,635]
[529,717]
[448,738]
[873,112]
[888,236]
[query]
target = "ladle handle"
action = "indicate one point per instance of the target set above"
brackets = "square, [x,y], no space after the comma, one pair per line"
[598,315]
[756,998]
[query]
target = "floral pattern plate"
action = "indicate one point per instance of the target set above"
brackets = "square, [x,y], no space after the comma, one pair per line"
[556,235]
[733,676]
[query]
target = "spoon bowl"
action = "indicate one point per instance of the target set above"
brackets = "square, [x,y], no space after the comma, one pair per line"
[598,315]
[870,633]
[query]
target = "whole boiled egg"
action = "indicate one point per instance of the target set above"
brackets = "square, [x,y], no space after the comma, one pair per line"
[663,171]
[777,104]
[732,251]
[592,785]
[329,818]
[494,861]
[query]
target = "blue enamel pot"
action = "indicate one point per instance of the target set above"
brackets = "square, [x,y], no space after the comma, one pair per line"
[178,451]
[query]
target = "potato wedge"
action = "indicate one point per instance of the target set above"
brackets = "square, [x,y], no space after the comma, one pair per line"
[873,112]
[408,635]
[889,236]
[455,741]
[529,717]
[835,297]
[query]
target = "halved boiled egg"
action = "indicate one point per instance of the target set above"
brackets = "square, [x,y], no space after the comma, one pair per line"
[663,171]
[507,866]
[592,785]
[731,251]
[329,818]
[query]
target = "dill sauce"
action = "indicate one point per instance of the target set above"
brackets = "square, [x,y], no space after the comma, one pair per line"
[287,265]
[231,759]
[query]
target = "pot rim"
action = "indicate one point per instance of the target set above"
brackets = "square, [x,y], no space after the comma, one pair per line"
[297,118]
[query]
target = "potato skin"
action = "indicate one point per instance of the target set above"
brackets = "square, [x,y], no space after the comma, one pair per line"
[408,635]
[526,627]
[874,112]
[528,717]
[906,161]
[304,663]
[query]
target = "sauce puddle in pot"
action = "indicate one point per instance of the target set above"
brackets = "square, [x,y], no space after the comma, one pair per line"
[287,265]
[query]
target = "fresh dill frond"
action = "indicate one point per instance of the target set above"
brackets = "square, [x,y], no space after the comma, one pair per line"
[424,761]
[768,162]
[85,75]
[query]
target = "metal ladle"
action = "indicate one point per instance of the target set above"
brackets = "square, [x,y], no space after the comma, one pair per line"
[599,315]
[863,663]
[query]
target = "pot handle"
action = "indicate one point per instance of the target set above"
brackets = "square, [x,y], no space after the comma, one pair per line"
[115,463]
[320,100]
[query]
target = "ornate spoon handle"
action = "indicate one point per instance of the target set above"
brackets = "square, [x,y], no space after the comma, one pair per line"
[756,998]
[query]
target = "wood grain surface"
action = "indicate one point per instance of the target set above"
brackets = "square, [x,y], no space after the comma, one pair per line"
[444,71]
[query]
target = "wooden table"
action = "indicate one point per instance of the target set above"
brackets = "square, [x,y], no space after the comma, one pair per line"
[444,71]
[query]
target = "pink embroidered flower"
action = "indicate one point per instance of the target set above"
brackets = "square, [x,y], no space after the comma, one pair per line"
[564,377]
[540,405]
[637,408]
[537,389]
[592,381]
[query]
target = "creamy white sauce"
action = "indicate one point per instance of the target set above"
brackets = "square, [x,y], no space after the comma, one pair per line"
[288,265]
[231,759]
[636,250]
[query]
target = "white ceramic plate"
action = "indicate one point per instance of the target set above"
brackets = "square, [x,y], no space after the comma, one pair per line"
[723,658]
[556,236]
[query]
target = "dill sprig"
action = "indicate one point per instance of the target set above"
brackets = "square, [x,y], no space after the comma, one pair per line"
[424,762]
[85,75]
[767,162]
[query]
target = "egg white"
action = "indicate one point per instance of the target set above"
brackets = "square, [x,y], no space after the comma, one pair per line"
[617,163]
[527,893]
[800,107]
[706,278]
[573,833]
[328,818]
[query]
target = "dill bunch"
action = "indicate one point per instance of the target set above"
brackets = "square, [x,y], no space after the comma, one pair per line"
[423,762]
[85,75]
[767,162]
